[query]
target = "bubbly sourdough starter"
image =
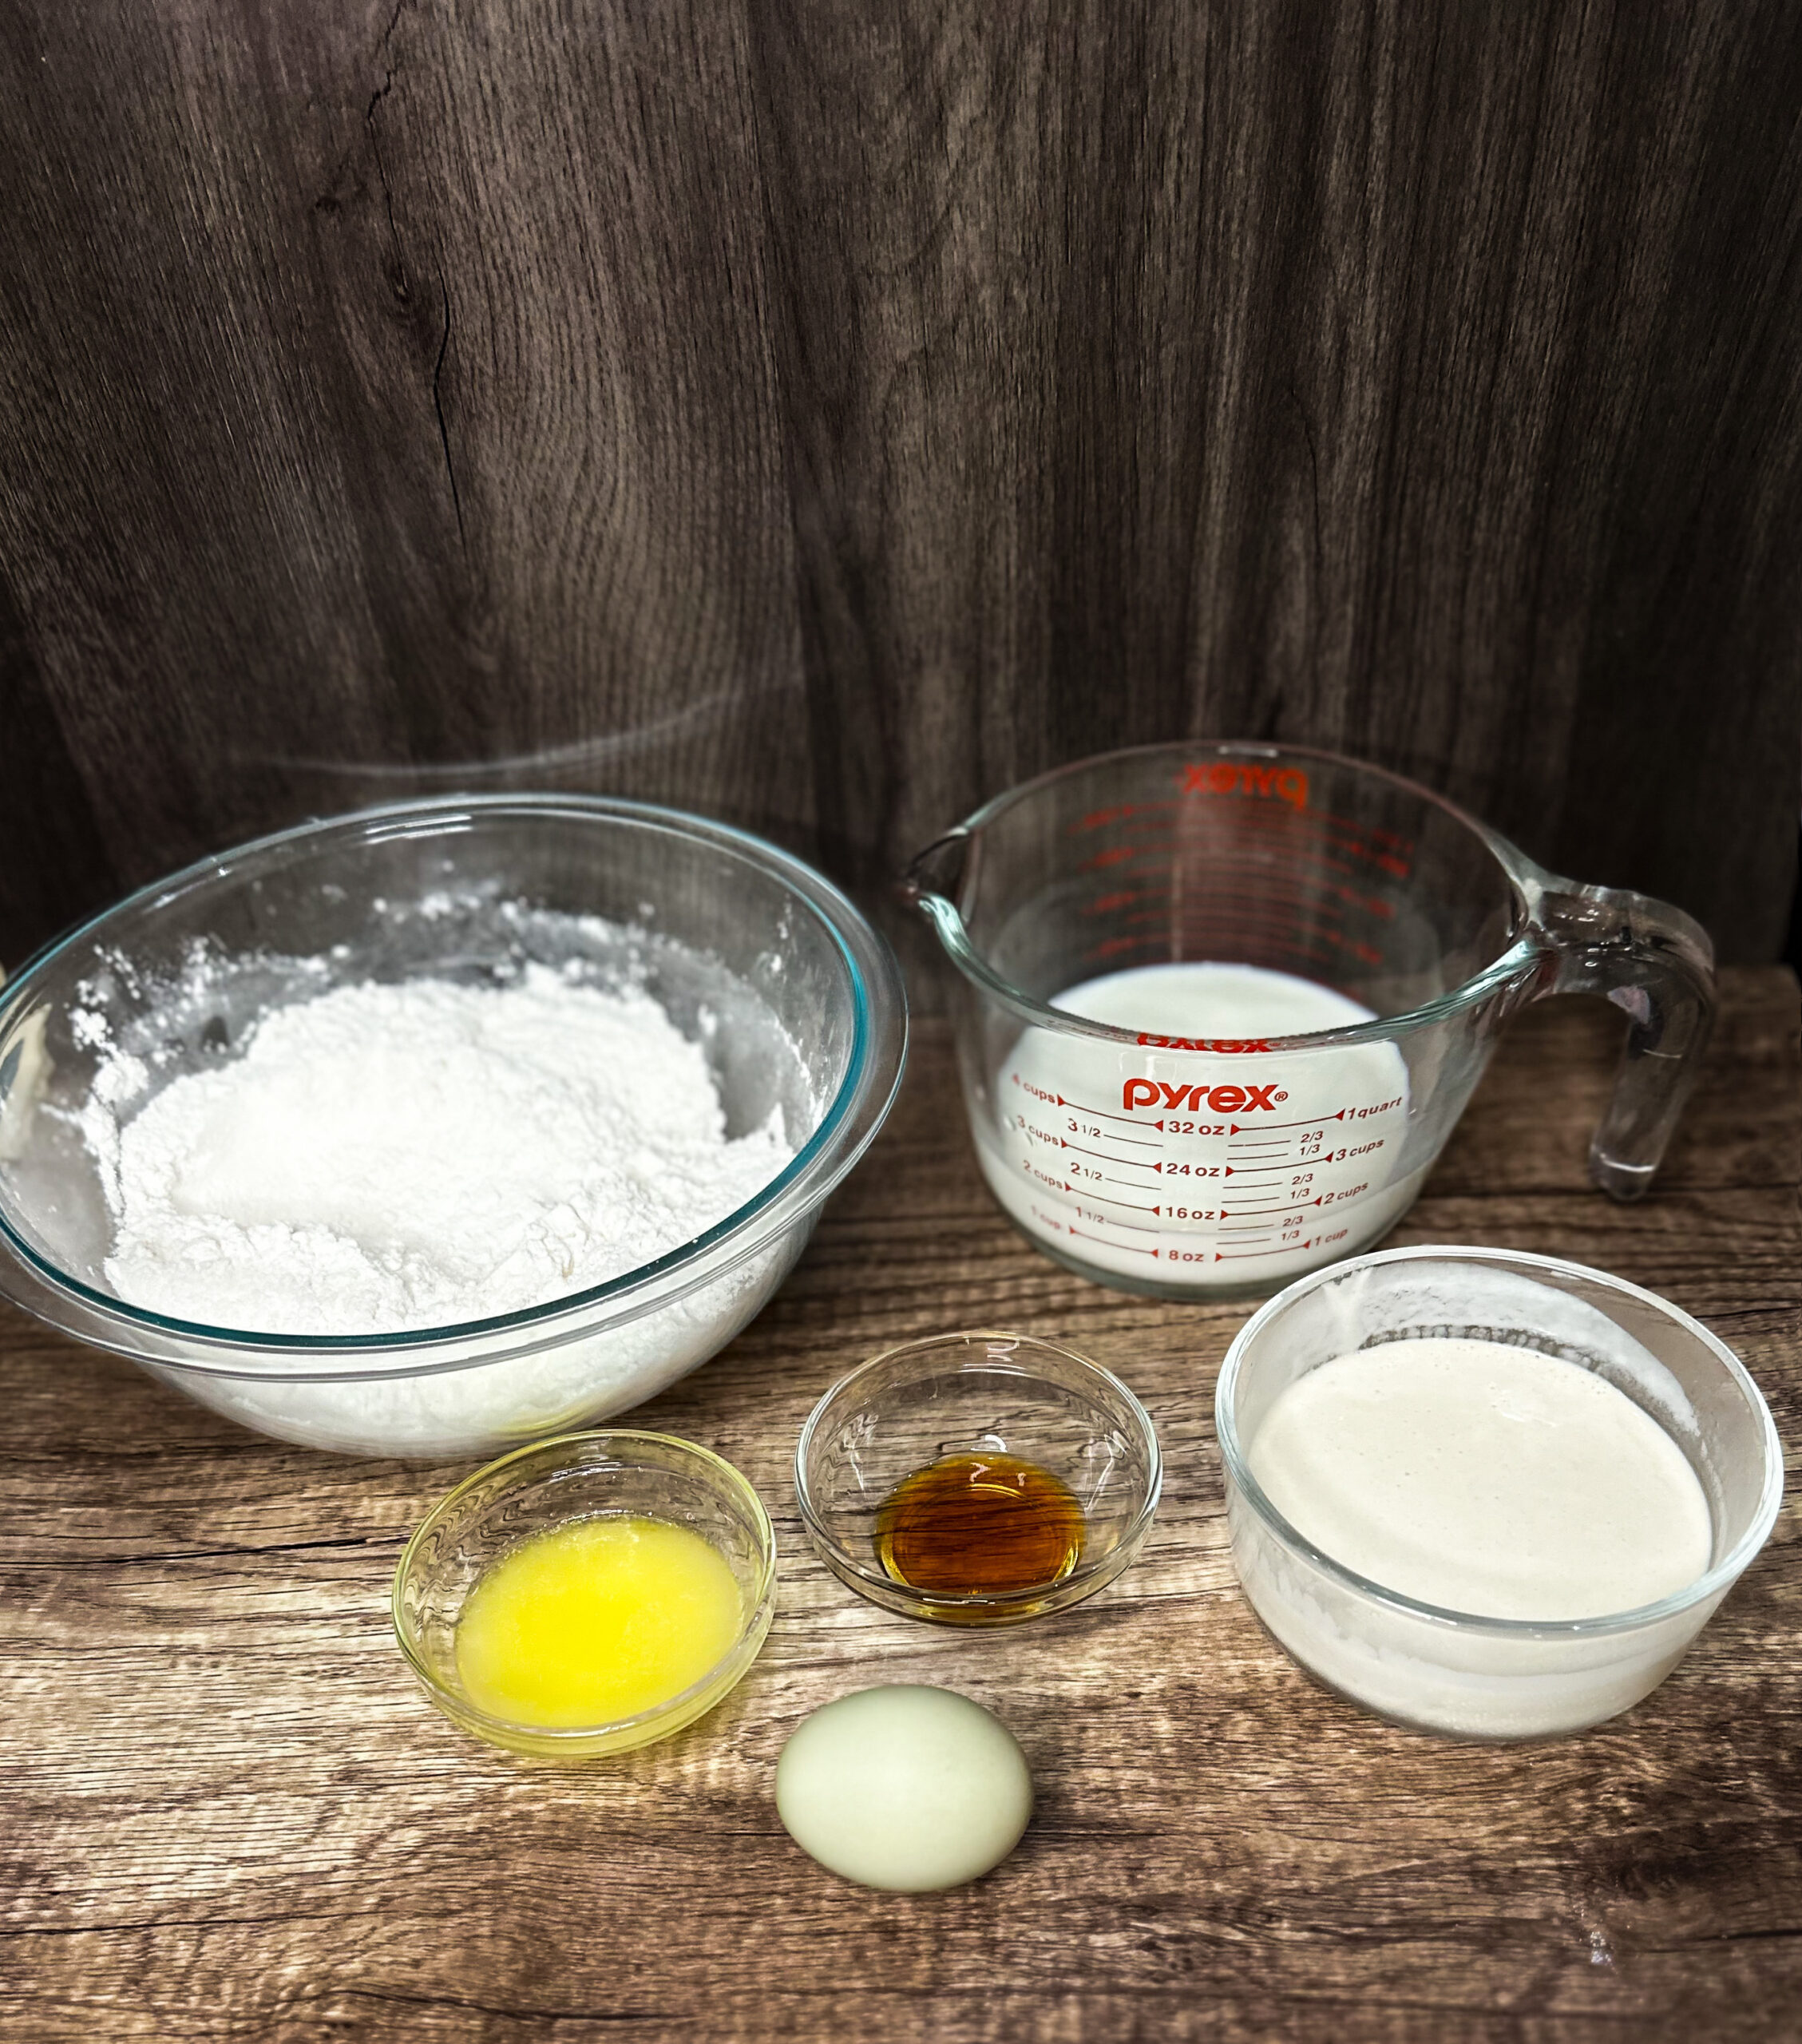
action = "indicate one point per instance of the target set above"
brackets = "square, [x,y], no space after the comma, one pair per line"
[1484,1478]
[1219,1166]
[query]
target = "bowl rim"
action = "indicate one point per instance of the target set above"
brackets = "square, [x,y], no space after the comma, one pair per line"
[1086,1576]
[726,1479]
[1715,1581]
[849,1122]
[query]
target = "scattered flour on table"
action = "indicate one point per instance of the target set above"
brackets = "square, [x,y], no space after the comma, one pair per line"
[382,1158]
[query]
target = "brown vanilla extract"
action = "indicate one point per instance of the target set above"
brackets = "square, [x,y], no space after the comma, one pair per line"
[978,1525]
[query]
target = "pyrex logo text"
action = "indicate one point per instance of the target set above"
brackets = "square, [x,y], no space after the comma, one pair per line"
[1231,1046]
[1221,1100]
[1227,777]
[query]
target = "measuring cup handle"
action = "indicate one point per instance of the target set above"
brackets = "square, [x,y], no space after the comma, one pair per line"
[1657,964]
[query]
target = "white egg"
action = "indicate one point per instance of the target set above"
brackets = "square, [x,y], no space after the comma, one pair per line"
[904,1787]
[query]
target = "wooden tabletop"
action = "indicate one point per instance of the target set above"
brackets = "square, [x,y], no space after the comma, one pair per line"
[225,1811]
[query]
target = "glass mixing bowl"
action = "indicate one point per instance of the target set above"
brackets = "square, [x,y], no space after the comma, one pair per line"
[797,1003]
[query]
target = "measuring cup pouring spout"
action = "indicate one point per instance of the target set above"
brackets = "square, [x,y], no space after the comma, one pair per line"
[935,875]
[1219,1006]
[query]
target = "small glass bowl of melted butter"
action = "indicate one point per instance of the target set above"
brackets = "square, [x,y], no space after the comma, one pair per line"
[978,1479]
[589,1594]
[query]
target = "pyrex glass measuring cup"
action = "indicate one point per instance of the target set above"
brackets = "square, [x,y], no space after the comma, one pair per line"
[1225,1129]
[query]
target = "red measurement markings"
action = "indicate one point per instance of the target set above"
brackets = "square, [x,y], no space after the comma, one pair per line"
[1045,1135]
[1127,897]
[1252,921]
[1181,1128]
[1240,938]
[1368,905]
[1320,1120]
[1247,942]
[1392,838]
[1076,1107]
[1326,871]
[1109,1200]
[1108,1156]
[1184,1255]
[1107,1220]
[1088,1191]
[1099,819]
[1209,851]
[1208,861]
[1101,1113]
[1234,891]
[1209,936]
[1216,867]
[1324,823]
[1205,931]
[1132,1248]
[1308,890]
[1150,918]
[1368,841]
[1252,944]
[1217,897]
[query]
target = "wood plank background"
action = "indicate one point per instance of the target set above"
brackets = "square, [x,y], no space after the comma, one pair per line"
[825,416]
[228,1814]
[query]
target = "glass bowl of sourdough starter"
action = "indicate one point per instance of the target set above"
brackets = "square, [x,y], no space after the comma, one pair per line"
[1414,1659]
[794,1002]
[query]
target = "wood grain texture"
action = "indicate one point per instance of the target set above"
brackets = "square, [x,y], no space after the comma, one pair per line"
[228,1814]
[825,418]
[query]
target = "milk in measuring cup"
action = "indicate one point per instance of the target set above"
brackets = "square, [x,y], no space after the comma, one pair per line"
[1201,1157]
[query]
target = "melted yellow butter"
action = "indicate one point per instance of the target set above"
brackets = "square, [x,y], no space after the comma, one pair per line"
[596,1620]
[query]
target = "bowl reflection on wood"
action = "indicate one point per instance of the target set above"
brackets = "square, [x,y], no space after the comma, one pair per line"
[797,1003]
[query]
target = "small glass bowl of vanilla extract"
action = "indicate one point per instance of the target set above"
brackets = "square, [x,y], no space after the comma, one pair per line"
[978,1479]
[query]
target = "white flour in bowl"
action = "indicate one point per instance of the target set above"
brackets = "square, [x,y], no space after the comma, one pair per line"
[390,1158]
